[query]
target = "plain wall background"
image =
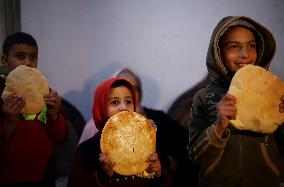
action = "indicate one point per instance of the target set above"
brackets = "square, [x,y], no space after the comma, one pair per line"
[164,41]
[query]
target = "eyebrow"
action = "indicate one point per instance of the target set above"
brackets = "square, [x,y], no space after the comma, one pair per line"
[25,52]
[109,98]
[129,97]
[240,42]
[119,97]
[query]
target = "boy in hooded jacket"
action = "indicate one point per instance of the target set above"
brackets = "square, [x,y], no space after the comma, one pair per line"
[227,156]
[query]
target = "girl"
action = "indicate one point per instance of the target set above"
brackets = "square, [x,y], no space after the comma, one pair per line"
[90,167]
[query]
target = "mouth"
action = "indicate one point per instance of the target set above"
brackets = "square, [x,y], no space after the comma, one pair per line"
[241,64]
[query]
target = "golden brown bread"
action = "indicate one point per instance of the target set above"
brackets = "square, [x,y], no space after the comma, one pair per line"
[129,138]
[258,93]
[29,83]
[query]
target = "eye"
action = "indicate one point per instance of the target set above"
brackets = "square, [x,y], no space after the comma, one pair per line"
[114,102]
[252,45]
[234,46]
[33,57]
[129,101]
[20,56]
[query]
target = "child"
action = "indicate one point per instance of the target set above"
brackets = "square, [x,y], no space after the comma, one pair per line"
[227,156]
[173,150]
[26,146]
[90,167]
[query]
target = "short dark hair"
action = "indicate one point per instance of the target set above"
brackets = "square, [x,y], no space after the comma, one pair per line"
[122,82]
[17,38]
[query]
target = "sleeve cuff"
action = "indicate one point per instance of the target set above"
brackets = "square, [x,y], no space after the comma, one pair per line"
[214,137]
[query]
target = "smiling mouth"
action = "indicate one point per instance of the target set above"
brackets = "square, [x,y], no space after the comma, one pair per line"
[242,64]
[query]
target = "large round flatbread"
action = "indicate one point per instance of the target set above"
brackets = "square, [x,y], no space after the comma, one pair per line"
[258,93]
[29,83]
[129,138]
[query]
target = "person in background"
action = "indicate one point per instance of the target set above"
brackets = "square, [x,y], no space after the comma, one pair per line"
[171,136]
[227,156]
[178,111]
[26,146]
[90,167]
[89,131]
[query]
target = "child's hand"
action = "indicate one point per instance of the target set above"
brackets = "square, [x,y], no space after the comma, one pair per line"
[281,105]
[155,165]
[12,105]
[227,110]
[106,164]
[52,101]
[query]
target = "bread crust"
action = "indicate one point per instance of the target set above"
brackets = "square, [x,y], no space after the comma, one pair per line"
[129,138]
[258,93]
[29,83]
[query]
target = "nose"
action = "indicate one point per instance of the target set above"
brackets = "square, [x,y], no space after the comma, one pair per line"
[122,107]
[27,62]
[244,52]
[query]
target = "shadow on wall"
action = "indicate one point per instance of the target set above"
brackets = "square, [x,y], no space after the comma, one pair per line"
[151,91]
[180,109]
[65,150]
[83,99]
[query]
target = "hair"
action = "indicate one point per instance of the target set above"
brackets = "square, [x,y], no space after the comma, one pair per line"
[121,83]
[256,35]
[18,38]
[124,72]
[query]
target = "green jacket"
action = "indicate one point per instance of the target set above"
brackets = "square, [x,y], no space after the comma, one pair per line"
[242,158]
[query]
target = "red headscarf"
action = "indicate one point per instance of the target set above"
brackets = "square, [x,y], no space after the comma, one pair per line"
[100,113]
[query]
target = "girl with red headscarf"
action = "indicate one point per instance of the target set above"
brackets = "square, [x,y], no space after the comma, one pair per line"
[90,167]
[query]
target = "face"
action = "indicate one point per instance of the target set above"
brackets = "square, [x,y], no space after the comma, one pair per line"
[120,99]
[238,46]
[21,54]
[133,82]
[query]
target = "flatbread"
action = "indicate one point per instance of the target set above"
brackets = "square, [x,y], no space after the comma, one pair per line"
[29,83]
[129,138]
[258,93]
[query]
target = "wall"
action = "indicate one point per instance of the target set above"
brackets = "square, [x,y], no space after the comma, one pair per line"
[2,22]
[164,41]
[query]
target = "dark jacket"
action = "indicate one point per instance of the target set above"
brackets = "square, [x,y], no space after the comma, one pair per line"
[86,172]
[172,141]
[243,158]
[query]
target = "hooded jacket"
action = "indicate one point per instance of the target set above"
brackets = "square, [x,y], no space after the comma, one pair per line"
[242,158]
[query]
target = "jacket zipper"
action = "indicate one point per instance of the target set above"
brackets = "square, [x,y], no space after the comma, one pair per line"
[241,159]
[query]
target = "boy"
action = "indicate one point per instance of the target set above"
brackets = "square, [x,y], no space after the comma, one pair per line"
[227,156]
[26,146]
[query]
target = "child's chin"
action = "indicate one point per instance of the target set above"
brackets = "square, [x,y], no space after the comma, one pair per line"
[237,68]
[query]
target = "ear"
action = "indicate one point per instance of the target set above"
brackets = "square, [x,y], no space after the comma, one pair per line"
[4,60]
